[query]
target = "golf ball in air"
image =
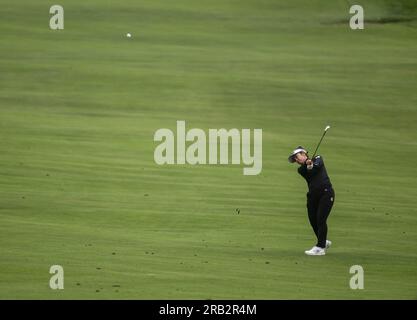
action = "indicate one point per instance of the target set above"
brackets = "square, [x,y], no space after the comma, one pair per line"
[128,35]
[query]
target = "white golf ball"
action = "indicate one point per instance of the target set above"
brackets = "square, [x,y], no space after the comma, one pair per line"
[128,35]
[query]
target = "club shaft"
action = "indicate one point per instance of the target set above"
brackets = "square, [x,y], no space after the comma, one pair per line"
[318,145]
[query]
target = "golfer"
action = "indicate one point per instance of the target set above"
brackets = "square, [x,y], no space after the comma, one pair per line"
[320,196]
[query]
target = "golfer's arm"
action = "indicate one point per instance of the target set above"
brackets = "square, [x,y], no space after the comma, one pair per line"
[302,170]
[317,164]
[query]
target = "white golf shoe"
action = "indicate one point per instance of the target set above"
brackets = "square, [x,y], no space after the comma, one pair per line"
[328,244]
[315,251]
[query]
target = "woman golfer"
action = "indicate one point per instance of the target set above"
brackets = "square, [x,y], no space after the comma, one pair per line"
[320,196]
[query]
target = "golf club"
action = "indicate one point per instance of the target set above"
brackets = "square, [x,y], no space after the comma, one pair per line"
[324,133]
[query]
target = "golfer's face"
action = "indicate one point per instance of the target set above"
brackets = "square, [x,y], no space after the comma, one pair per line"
[300,157]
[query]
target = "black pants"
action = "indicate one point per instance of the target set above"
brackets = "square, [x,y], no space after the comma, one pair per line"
[319,205]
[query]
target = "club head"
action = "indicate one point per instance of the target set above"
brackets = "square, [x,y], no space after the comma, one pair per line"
[327,128]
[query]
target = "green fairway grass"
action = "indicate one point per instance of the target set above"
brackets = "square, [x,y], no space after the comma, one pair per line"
[79,186]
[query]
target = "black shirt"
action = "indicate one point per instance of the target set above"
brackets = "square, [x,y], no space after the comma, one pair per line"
[316,177]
